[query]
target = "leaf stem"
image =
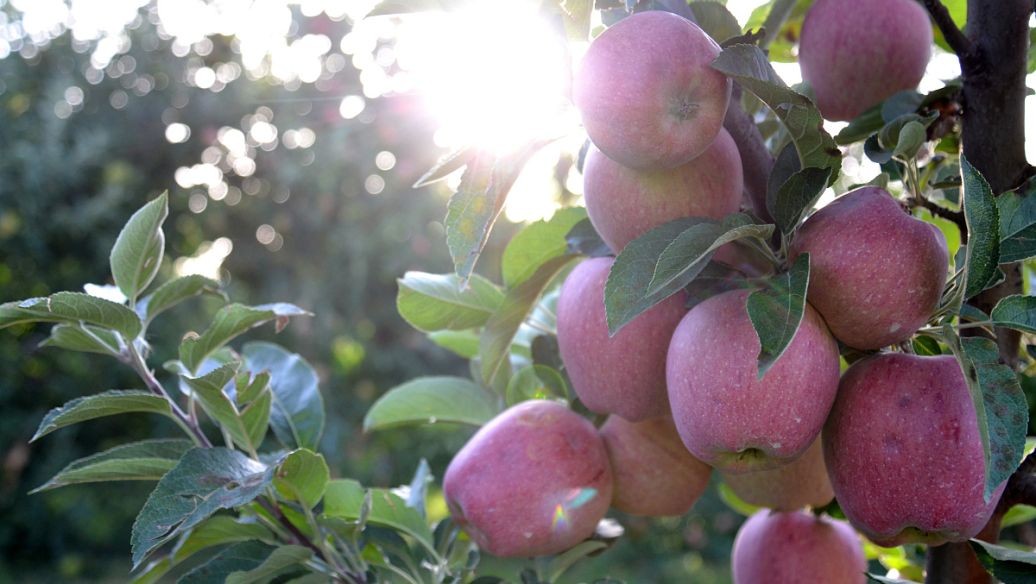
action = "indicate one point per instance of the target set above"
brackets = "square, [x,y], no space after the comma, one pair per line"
[136,362]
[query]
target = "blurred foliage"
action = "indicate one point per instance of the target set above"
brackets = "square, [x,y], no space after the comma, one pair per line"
[82,150]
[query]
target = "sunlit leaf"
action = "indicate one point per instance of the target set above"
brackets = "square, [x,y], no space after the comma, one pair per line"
[73,308]
[461,343]
[137,253]
[233,320]
[428,400]
[174,292]
[108,403]
[302,476]
[344,498]
[147,460]
[446,166]
[433,302]
[85,338]
[537,244]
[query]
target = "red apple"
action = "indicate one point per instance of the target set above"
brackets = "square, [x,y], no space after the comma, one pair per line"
[797,548]
[795,485]
[876,273]
[534,481]
[857,53]
[647,94]
[654,473]
[624,374]
[903,451]
[623,203]
[725,414]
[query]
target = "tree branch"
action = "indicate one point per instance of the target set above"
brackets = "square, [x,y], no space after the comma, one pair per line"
[939,211]
[756,160]
[953,35]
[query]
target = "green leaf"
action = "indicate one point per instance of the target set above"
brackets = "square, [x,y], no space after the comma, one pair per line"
[562,562]
[231,321]
[344,499]
[278,562]
[1017,312]
[137,253]
[798,195]
[1017,214]
[433,302]
[501,328]
[297,412]
[1008,565]
[716,20]
[203,482]
[72,307]
[625,292]
[428,400]
[446,166]
[958,10]
[217,530]
[583,239]
[749,66]
[302,476]
[784,36]
[209,389]
[174,292]
[887,580]
[474,208]
[576,16]
[236,558]
[108,403]
[82,337]
[982,219]
[535,382]
[861,127]
[1003,414]
[462,343]
[536,244]
[147,460]
[687,255]
[776,311]
[1018,515]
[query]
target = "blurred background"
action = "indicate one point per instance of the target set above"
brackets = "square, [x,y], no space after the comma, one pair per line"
[288,135]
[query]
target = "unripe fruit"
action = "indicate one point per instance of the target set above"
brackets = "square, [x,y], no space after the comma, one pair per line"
[795,485]
[623,203]
[797,548]
[654,473]
[534,481]
[647,94]
[857,53]
[876,273]
[903,451]
[624,374]
[728,417]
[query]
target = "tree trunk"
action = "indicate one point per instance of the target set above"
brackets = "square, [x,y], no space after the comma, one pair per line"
[993,139]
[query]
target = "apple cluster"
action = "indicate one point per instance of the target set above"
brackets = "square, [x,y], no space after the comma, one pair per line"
[894,437]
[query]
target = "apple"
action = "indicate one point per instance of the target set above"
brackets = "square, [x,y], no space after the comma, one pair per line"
[797,547]
[624,203]
[534,481]
[624,374]
[903,450]
[654,474]
[800,483]
[647,94]
[725,414]
[876,273]
[857,53]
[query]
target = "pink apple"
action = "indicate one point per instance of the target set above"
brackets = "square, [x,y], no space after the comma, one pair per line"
[534,481]
[796,547]
[623,203]
[725,414]
[876,273]
[647,94]
[795,485]
[903,451]
[624,374]
[857,53]
[654,473]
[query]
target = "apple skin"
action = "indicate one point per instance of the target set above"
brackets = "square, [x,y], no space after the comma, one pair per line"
[534,463]
[654,473]
[903,450]
[796,547]
[725,415]
[800,483]
[876,273]
[624,374]
[647,94]
[857,53]
[624,203]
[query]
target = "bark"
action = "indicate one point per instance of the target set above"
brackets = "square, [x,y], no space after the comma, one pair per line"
[993,57]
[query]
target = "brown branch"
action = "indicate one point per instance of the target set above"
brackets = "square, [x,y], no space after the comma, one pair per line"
[756,160]
[953,35]
[957,217]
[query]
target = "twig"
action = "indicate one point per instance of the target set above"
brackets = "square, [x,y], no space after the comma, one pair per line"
[756,160]
[775,21]
[136,362]
[953,35]
[957,217]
